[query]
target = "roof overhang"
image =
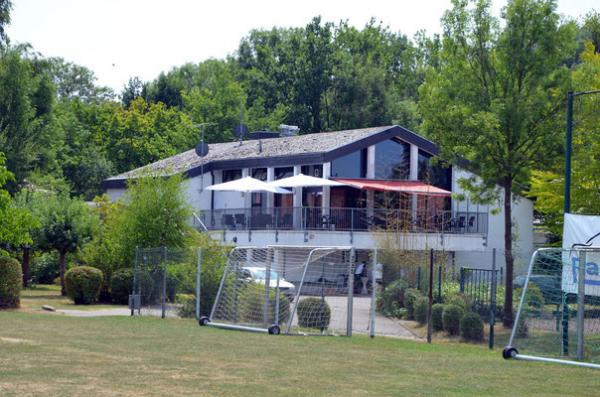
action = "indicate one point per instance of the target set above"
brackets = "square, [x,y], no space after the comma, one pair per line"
[412,187]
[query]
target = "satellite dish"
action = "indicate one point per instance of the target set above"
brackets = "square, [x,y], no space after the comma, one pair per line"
[240,130]
[201,149]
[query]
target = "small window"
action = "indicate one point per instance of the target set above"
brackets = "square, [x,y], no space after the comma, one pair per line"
[231,175]
[284,172]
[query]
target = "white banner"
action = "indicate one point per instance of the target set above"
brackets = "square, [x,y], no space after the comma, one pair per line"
[581,230]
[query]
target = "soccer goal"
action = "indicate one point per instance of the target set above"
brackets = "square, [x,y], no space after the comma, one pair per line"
[558,317]
[285,289]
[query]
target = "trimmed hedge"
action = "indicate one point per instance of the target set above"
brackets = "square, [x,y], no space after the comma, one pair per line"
[313,313]
[121,285]
[460,300]
[420,309]
[451,319]
[410,297]
[83,284]
[437,311]
[11,280]
[471,327]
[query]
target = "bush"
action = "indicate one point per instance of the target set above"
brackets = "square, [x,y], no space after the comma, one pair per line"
[251,304]
[420,309]
[121,285]
[471,327]
[459,299]
[451,319]
[410,297]
[400,313]
[187,308]
[313,313]
[392,297]
[44,269]
[437,311]
[11,280]
[83,284]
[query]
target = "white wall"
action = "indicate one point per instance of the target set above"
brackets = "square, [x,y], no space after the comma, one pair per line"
[522,215]
[115,194]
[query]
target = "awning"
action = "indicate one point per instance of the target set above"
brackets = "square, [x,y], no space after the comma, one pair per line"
[413,187]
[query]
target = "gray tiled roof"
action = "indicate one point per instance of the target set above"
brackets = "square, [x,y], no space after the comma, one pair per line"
[273,147]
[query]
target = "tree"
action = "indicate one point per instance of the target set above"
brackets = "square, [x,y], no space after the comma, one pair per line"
[495,95]
[76,81]
[15,222]
[66,224]
[132,90]
[146,132]
[547,185]
[5,7]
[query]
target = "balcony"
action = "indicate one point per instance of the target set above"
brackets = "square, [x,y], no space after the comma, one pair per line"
[345,219]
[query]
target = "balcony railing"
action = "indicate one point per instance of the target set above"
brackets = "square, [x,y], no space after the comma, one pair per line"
[345,219]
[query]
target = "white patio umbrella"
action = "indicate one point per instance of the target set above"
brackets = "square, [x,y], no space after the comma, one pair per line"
[302,180]
[247,185]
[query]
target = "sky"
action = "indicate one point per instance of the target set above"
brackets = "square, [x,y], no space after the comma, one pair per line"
[119,39]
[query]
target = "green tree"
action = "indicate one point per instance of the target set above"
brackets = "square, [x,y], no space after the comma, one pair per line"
[5,7]
[146,132]
[66,224]
[15,222]
[495,95]
[76,81]
[547,186]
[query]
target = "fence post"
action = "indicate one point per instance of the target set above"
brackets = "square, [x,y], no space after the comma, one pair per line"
[198,279]
[163,303]
[493,300]
[580,302]
[430,295]
[439,291]
[267,303]
[350,293]
[373,295]
[462,280]
[419,277]
[135,271]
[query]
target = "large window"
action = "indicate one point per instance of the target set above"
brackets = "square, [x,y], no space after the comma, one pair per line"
[231,175]
[432,173]
[313,170]
[259,200]
[284,172]
[392,160]
[353,165]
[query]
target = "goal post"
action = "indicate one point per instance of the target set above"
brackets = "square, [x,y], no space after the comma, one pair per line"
[283,289]
[558,315]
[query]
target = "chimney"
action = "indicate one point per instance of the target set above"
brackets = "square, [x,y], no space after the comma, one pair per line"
[288,130]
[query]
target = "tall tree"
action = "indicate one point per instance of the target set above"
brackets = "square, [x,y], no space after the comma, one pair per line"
[493,97]
[5,7]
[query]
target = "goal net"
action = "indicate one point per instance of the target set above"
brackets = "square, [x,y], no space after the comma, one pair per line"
[558,316]
[285,289]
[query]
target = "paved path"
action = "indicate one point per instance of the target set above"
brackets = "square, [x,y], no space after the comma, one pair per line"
[360,317]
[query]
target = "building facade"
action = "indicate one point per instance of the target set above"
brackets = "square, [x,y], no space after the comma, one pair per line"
[393,187]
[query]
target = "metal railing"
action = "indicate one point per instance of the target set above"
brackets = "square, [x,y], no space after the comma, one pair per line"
[345,219]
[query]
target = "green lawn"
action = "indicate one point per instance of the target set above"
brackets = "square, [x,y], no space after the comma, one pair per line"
[49,354]
[35,297]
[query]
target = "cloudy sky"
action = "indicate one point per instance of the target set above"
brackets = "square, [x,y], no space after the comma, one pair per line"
[122,38]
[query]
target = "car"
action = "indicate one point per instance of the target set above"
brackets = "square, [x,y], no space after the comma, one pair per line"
[258,275]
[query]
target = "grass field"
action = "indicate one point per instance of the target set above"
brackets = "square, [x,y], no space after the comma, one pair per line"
[33,298]
[56,355]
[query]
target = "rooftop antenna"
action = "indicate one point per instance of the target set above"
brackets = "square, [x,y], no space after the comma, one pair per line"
[241,129]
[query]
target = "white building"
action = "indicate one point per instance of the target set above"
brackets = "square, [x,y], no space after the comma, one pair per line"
[392,184]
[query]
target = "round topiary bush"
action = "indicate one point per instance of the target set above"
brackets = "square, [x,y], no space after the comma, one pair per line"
[313,313]
[250,308]
[420,309]
[451,319]
[437,311]
[410,297]
[11,280]
[121,285]
[460,300]
[471,327]
[83,284]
